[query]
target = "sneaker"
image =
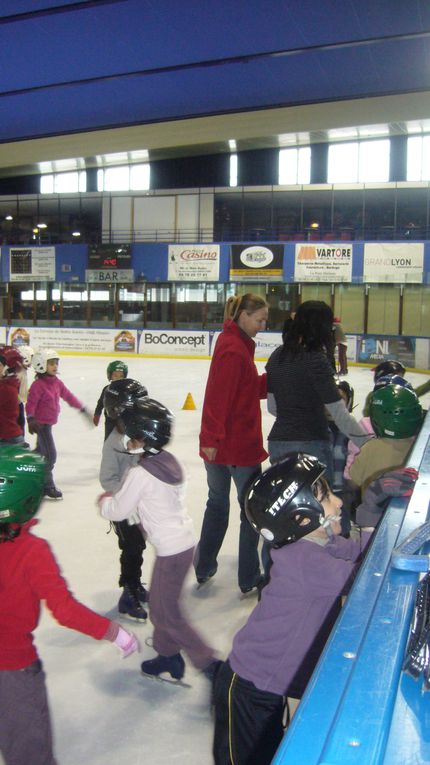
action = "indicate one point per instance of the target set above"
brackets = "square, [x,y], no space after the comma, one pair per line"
[53,493]
[130,605]
[142,593]
[174,665]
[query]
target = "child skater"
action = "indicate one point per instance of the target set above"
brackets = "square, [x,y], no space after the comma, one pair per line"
[116,370]
[11,429]
[43,408]
[29,574]
[154,488]
[116,461]
[274,654]
[26,352]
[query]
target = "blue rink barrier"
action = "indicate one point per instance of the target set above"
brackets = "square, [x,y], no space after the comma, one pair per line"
[359,707]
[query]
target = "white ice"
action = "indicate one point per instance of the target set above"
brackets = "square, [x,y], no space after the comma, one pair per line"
[104,712]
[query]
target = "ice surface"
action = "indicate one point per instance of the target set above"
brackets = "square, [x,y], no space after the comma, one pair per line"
[104,712]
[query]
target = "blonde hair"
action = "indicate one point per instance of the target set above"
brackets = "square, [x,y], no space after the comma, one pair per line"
[238,303]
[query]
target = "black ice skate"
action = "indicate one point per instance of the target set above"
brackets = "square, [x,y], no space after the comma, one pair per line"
[202,580]
[51,492]
[129,605]
[142,593]
[162,665]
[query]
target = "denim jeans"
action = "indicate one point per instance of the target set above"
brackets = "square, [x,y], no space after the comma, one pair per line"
[322,450]
[215,523]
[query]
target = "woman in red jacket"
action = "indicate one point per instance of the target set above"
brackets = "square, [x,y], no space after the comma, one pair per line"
[231,441]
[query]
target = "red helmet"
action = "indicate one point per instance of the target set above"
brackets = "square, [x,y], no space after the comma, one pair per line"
[10,357]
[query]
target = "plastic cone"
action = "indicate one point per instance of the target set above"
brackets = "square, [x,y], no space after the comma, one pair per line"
[189,402]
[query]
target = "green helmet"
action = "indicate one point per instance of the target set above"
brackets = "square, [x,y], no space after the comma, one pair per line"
[116,366]
[395,412]
[22,481]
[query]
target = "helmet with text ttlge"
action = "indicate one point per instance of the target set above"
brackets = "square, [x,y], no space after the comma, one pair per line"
[282,505]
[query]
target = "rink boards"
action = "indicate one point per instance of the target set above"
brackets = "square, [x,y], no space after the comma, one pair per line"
[359,706]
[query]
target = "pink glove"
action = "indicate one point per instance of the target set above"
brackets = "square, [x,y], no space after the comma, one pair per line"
[126,642]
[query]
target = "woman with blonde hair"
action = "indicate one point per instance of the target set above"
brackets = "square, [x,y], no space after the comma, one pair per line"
[231,441]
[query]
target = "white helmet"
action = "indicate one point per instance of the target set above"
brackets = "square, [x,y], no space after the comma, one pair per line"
[27,353]
[41,357]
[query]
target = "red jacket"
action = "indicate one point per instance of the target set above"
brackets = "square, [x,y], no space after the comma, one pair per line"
[9,407]
[29,573]
[231,418]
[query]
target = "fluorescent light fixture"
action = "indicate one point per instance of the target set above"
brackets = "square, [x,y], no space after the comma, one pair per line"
[76,233]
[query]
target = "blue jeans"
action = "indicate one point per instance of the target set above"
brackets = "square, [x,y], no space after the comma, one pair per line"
[322,450]
[215,523]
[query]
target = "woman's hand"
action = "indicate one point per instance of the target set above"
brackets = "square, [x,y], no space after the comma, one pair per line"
[210,452]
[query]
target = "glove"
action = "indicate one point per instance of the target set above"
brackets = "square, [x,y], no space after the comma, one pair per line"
[396,483]
[96,419]
[87,415]
[33,425]
[126,642]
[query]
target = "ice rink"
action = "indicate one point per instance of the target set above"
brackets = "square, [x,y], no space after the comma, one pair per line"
[104,712]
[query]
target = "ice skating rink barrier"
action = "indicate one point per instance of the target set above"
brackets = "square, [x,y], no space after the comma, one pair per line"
[359,706]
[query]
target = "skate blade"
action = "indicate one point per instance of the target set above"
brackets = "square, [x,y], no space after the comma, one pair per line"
[251,594]
[169,680]
[138,619]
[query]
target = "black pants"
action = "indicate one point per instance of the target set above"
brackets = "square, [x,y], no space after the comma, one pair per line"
[248,722]
[132,544]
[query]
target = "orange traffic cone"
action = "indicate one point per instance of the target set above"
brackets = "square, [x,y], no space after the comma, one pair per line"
[189,402]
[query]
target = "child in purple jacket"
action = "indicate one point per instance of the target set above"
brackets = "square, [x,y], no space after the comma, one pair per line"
[43,408]
[274,654]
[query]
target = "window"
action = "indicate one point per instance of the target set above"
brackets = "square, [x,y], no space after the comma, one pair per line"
[233,169]
[294,166]
[359,162]
[124,178]
[62,183]
[418,161]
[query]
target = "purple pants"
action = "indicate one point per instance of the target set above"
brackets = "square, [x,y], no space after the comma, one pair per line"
[172,631]
[25,725]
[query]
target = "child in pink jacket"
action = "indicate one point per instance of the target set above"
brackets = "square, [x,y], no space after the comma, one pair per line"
[43,408]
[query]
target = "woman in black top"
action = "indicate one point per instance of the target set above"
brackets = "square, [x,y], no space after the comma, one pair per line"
[301,387]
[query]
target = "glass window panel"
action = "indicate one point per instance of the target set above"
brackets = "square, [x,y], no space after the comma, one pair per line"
[46,184]
[139,177]
[418,158]
[131,305]
[282,300]
[374,161]
[383,310]
[257,215]
[75,301]
[294,166]
[287,214]
[349,303]
[411,213]
[47,308]
[102,301]
[342,163]
[317,209]
[228,223]
[348,214]
[233,169]
[416,310]
[159,307]
[189,305]
[21,303]
[316,292]
[216,297]
[116,179]
[379,221]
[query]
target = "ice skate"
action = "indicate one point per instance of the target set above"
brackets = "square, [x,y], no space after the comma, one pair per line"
[166,665]
[130,605]
[51,492]
[142,593]
[255,589]
[202,580]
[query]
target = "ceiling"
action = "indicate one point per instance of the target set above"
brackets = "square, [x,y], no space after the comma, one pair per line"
[89,78]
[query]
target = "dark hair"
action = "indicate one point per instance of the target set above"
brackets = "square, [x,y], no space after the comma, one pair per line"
[311,328]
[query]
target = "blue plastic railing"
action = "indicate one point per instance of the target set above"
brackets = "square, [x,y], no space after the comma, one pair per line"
[359,706]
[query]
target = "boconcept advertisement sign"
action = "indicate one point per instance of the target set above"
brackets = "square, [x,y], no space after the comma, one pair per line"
[157,342]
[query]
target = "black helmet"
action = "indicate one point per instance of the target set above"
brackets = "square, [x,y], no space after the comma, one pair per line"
[121,395]
[148,420]
[281,503]
[388,367]
[348,390]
